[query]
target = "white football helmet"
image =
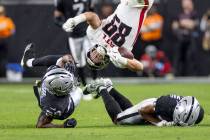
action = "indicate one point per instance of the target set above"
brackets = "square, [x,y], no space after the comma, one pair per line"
[188,112]
[97,57]
[58,81]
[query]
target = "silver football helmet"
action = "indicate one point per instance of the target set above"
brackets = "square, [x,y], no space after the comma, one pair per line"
[187,112]
[58,81]
[97,57]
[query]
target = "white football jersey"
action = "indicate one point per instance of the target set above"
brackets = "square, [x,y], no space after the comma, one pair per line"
[122,28]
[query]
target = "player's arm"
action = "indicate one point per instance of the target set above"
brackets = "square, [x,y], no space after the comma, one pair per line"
[122,62]
[90,17]
[46,122]
[148,114]
[134,65]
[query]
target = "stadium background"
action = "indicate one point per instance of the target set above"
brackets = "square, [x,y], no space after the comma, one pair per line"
[34,22]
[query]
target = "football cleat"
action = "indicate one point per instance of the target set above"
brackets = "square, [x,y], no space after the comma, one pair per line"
[94,85]
[28,54]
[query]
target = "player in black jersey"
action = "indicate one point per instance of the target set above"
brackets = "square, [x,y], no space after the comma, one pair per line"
[168,110]
[77,40]
[58,93]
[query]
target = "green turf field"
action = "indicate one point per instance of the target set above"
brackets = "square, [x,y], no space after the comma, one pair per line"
[19,112]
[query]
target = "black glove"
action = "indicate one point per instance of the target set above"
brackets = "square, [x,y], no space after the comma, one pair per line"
[70,123]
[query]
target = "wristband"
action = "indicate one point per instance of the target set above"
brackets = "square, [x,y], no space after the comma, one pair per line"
[123,61]
[79,19]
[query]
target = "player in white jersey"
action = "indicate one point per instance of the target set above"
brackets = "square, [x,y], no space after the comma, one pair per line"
[166,110]
[120,29]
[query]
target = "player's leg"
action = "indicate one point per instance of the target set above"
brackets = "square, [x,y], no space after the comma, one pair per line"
[124,102]
[132,114]
[112,107]
[48,60]
[77,51]
[29,60]
[102,86]
[121,99]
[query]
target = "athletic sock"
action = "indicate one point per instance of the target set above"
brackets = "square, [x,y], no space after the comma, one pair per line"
[112,107]
[124,102]
[29,62]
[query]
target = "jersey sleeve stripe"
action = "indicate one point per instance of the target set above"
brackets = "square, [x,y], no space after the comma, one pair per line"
[141,19]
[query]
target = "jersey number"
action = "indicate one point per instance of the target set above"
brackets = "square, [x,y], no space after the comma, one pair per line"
[79,7]
[117,30]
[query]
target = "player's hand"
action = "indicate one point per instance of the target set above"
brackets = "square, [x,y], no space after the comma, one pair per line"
[162,123]
[116,58]
[70,123]
[67,59]
[165,123]
[69,25]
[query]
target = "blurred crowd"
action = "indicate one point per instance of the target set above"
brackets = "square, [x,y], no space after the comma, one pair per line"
[7,29]
[190,34]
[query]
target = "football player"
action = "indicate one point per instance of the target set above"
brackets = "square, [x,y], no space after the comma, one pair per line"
[121,29]
[77,40]
[58,93]
[166,110]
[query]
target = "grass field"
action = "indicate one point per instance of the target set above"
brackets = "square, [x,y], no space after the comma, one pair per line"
[19,112]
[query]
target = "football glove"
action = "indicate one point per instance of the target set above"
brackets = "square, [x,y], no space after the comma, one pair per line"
[70,123]
[116,58]
[165,123]
[69,25]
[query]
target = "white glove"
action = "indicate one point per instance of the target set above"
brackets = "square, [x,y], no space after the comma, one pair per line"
[165,123]
[69,25]
[116,58]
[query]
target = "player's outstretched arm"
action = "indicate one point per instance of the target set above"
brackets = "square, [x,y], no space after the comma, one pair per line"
[90,17]
[122,62]
[134,65]
[46,122]
[148,112]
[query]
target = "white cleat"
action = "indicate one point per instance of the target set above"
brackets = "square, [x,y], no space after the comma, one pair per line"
[28,54]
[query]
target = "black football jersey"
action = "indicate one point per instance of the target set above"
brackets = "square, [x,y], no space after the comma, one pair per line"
[57,107]
[165,106]
[72,8]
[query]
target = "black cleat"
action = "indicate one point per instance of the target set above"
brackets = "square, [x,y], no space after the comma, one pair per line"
[28,54]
